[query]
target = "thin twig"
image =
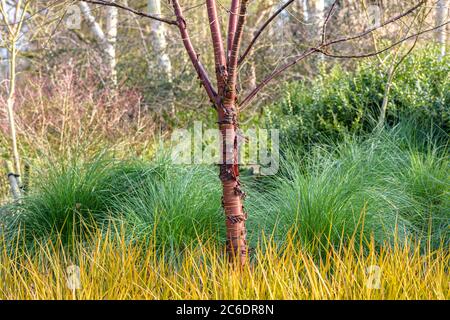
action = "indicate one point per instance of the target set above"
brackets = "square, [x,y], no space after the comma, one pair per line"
[322,49]
[261,29]
[201,71]
[137,12]
[371,54]
[327,19]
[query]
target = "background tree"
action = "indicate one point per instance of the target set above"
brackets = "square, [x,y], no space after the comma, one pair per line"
[442,9]
[106,39]
[13,15]
[158,36]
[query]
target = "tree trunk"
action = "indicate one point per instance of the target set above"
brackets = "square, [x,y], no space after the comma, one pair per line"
[13,16]
[306,10]
[159,39]
[111,38]
[105,41]
[158,35]
[227,80]
[318,18]
[4,64]
[441,33]
[233,196]
[10,107]
[13,182]
[225,103]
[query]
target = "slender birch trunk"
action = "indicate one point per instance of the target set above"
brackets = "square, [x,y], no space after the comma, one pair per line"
[13,16]
[318,17]
[4,65]
[159,41]
[107,40]
[10,106]
[112,16]
[306,10]
[13,181]
[442,9]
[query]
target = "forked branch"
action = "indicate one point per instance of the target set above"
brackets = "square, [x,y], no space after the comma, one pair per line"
[201,71]
[327,19]
[377,26]
[371,54]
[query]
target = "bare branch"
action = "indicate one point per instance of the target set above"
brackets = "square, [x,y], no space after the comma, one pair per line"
[274,74]
[371,54]
[327,19]
[233,64]
[261,29]
[232,23]
[136,12]
[219,52]
[201,72]
[322,49]
[376,27]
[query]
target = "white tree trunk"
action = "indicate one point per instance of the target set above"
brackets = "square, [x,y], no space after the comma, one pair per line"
[13,16]
[282,21]
[306,10]
[442,8]
[112,16]
[159,42]
[4,66]
[105,41]
[318,16]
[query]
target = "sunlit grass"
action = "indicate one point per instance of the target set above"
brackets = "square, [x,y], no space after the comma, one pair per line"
[113,268]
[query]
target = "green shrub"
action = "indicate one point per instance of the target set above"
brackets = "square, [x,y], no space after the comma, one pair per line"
[179,205]
[385,185]
[337,102]
[69,202]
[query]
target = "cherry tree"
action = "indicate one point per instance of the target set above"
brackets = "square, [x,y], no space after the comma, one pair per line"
[223,92]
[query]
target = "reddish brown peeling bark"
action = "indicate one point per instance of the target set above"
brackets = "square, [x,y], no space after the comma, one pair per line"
[233,196]
[234,54]
[219,52]
[232,24]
